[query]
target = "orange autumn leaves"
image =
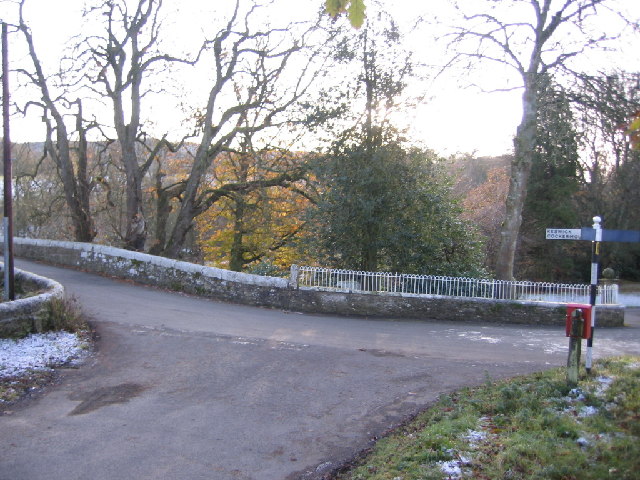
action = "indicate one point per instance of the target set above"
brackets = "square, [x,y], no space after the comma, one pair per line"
[257,225]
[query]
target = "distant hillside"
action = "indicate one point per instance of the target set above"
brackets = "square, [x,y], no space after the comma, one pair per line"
[36,147]
[469,173]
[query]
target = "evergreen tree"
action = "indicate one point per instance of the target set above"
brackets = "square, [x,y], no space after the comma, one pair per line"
[391,210]
[607,105]
[554,181]
[385,206]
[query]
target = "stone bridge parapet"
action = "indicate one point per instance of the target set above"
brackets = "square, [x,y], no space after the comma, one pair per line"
[29,314]
[280,293]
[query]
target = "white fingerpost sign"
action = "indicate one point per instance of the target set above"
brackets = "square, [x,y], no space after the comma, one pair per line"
[564,233]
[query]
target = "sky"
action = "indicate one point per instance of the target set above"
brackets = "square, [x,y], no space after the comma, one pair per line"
[454,117]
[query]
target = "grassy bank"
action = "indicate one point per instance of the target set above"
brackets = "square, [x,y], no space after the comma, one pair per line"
[533,427]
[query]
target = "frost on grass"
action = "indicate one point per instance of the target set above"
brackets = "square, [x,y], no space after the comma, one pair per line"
[451,468]
[454,469]
[587,411]
[603,384]
[474,437]
[39,352]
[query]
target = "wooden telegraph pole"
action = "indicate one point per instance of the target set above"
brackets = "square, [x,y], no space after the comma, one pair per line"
[9,281]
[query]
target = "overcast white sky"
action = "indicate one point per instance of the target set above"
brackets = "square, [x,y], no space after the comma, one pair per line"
[455,118]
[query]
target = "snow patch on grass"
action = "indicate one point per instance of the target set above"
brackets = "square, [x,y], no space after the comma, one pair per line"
[587,411]
[474,437]
[40,352]
[451,468]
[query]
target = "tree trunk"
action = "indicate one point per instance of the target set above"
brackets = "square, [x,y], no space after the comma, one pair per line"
[76,186]
[136,232]
[525,143]
[135,229]
[60,152]
[163,209]
[188,210]
[85,230]
[236,260]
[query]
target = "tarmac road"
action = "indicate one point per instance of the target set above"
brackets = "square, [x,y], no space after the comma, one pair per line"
[187,388]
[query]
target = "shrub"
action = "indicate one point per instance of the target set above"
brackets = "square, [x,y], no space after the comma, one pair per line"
[65,314]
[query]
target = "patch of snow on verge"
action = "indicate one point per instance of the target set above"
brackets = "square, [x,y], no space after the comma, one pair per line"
[604,384]
[587,411]
[474,437]
[41,351]
[451,468]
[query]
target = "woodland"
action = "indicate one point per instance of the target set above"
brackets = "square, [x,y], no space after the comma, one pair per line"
[296,153]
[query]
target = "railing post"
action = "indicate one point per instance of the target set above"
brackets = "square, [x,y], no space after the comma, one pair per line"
[294,276]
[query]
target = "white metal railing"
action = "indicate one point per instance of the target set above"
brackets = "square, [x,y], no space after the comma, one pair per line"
[355,281]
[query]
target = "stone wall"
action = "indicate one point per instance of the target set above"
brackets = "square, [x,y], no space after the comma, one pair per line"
[159,271]
[30,314]
[435,307]
[280,293]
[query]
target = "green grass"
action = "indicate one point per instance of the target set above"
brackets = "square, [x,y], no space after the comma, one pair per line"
[533,427]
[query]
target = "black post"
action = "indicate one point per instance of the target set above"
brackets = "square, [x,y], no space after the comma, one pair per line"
[595,261]
[9,281]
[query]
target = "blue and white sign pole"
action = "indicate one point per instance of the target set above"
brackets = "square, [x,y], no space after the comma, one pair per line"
[595,261]
[596,235]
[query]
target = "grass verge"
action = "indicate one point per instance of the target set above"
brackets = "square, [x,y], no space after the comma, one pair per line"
[13,389]
[533,427]
[66,314]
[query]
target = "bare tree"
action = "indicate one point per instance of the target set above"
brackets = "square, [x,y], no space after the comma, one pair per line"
[605,105]
[116,65]
[76,183]
[249,66]
[536,38]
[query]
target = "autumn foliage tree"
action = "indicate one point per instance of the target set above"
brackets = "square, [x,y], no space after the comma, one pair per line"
[257,225]
[483,205]
[247,96]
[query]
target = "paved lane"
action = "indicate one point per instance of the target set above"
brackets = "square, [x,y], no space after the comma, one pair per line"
[187,388]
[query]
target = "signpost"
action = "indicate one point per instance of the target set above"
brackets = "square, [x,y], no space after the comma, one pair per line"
[596,235]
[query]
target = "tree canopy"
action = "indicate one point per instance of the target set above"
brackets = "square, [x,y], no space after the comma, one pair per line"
[255,96]
[354,9]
